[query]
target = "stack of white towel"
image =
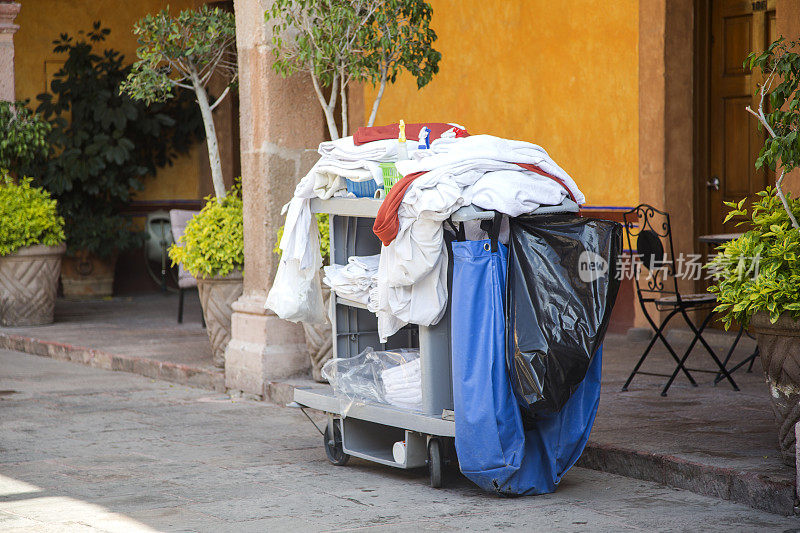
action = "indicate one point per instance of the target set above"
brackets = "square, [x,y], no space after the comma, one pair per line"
[402,385]
[356,281]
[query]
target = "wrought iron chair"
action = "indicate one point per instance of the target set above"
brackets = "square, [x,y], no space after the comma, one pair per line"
[651,230]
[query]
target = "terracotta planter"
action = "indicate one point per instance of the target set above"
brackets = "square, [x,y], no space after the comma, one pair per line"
[319,340]
[84,276]
[28,285]
[216,296]
[779,346]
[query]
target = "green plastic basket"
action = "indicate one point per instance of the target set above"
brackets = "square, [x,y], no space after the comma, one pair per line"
[390,176]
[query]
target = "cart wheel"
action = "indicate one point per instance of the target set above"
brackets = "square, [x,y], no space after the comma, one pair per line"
[435,462]
[333,446]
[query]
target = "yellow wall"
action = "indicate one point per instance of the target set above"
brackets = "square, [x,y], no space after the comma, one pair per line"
[563,75]
[41,21]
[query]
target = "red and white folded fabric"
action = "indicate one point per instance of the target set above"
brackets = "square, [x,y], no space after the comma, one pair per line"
[370,134]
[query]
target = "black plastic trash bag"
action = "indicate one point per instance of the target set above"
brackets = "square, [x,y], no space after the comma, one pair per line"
[562,284]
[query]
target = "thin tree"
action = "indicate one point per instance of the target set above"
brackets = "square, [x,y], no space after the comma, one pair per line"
[339,41]
[185,52]
[781,63]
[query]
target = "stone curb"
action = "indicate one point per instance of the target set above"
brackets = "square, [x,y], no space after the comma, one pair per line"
[756,491]
[201,377]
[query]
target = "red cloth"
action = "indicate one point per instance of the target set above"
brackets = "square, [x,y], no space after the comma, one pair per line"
[387,223]
[392,131]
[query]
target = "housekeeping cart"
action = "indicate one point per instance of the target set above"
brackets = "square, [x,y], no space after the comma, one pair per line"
[368,430]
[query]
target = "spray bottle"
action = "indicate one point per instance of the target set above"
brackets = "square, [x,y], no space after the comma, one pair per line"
[402,150]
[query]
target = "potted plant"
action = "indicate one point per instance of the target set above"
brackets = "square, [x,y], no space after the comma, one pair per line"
[212,250]
[104,146]
[31,246]
[758,274]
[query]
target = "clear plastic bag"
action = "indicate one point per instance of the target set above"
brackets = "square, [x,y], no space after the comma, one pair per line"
[389,377]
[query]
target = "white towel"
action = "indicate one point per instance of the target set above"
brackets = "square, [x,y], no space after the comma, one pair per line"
[402,385]
[356,280]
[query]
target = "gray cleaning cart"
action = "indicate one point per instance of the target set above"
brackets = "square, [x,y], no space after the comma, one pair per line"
[369,431]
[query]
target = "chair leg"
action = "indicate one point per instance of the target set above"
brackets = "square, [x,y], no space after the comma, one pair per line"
[753,360]
[180,306]
[686,353]
[728,356]
[639,363]
[659,335]
[699,334]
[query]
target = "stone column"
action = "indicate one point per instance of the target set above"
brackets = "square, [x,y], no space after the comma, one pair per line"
[8,12]
[281,126]
[666,120]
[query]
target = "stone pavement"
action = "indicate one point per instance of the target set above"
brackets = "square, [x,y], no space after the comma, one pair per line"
[711,440]
[134,334]
[83,449]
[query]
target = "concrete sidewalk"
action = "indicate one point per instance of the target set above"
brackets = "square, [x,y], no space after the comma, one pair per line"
[91,450]
[710,440]
[137,334]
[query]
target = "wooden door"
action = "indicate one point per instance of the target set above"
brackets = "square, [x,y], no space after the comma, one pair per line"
[737,28]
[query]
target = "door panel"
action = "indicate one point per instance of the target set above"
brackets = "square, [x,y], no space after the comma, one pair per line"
[734,140]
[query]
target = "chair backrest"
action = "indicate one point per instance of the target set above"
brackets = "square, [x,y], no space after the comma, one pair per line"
[178,219]
[652,233]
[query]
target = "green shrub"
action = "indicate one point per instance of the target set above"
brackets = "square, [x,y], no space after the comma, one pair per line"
[23,137]
[28,216]
[213,244]
[103,144]
[760,271]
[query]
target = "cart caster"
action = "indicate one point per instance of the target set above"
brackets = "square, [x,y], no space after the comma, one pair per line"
[333,446]
[435,462]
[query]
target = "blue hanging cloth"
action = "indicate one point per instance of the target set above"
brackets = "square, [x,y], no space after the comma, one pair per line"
[493,448]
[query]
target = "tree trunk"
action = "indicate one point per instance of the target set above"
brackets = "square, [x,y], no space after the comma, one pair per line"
[326,108]
[377,101]
[343,96]
[211,137]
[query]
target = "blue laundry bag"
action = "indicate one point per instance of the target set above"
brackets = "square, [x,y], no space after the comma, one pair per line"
[493,448]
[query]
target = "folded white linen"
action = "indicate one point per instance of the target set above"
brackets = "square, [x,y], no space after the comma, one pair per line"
[381,151]
[356,280]
[452,155]
[402,373]
[402,385]
[480,169]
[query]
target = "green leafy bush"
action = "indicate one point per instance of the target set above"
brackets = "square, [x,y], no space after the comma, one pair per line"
[104,144]
[28,216]
[23,137]
[760,271]
[213,244]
